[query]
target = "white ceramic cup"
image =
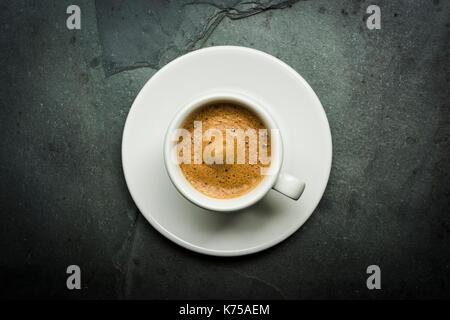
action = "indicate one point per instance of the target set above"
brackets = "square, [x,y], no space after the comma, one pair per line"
[276,179]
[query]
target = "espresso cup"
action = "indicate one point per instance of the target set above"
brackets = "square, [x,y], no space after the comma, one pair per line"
[282,182]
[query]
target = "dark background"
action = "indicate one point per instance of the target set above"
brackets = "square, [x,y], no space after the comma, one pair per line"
[65,94]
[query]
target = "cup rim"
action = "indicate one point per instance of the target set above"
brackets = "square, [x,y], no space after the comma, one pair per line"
[216,204]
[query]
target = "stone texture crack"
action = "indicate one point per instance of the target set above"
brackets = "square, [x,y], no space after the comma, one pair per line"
[264,282]
[150,34]
[122,258]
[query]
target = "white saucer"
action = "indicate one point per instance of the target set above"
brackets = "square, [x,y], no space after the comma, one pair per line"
[304,129]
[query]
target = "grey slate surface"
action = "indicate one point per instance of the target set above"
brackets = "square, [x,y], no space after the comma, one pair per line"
[154,32]
[64,97]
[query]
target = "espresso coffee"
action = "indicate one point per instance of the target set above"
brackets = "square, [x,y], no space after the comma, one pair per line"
[227,180]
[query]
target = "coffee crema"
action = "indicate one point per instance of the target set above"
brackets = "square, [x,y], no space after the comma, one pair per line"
[226,180]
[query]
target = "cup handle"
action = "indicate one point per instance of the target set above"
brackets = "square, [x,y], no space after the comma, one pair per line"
[289,185]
